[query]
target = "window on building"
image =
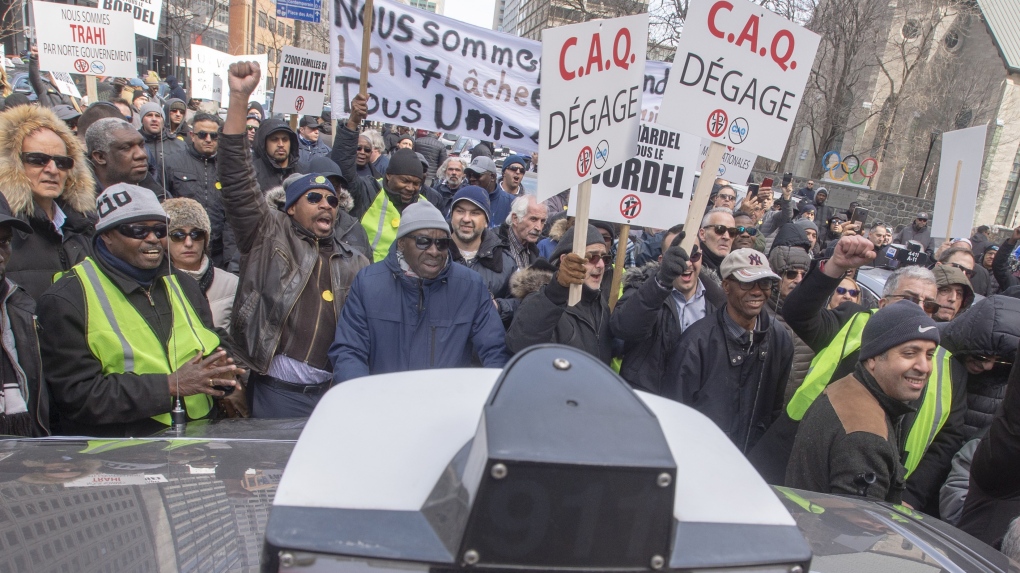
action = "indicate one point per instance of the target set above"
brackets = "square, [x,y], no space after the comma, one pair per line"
[1007,206]
[281,29]
[290,32]
[262,19]
[272,24]
[261,49]
[272,55]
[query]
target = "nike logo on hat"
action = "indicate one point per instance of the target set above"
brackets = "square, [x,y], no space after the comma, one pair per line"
[923,329]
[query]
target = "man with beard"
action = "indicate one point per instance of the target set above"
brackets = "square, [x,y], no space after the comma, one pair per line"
[159,142]
[715,238]
[452,178]
[917,231]
[479,248]
[660,301]
[415,309]
[822,211]
[733,365]
[277,155]
[523,229]
[954,294]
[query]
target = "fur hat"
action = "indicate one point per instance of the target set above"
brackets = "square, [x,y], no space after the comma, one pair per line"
[184,212]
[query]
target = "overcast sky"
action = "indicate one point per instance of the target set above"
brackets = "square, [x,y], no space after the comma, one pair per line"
[477,12]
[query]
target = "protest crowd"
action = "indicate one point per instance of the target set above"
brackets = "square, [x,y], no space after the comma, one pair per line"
[155,255]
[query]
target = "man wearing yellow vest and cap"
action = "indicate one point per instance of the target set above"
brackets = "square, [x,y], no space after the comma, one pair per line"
[123,335]
[933,432]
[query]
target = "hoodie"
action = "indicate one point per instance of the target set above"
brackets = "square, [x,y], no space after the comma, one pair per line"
[176,91]
[268,173]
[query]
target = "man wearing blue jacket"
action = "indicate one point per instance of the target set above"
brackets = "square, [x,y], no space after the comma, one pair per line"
[416,309]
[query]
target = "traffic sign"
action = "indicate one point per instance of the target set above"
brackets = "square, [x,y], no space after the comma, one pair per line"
[304,10]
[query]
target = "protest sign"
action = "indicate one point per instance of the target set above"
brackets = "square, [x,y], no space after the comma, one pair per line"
[652,189]
[84,40]
[739,76]
[65,84]
[592,84]
[145,12]
[209,73]
[736,165]
[301,82]
[963,153]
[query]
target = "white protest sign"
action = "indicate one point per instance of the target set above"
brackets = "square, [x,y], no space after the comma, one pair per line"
[740,76]
[966,148]
[209,73]
[654,85]
[652,189]
[145,12]
[65,84]
[85,40]
[592,99]
[736,164]
[301,82]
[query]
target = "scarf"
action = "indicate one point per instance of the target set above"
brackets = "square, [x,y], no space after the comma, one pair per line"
[707,256]
[14,417]
[143,277]
[204,275]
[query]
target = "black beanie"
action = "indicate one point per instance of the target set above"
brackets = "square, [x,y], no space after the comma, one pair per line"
[894,325]
[405,162]
[566,243]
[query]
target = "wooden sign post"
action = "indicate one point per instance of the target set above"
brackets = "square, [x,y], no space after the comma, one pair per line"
[700,200]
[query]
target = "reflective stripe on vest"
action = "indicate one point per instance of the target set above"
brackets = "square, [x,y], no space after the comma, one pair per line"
[123,342]
[936,402]
[381,222]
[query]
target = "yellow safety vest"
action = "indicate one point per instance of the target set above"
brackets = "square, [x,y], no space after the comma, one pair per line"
[936,401]
[123,342]
[381,222]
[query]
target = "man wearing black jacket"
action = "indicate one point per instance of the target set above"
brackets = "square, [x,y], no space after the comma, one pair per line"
[1000,264]
[277,154]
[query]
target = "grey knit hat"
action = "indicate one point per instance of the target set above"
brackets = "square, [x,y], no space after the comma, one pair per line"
[894,325]
[184,212]
[421,215]
[566,243]
[126,203]
[149,108]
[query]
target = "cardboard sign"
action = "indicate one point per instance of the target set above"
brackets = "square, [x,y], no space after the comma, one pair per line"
[85,40]
[966,146]
[145,12]
[591,102]
[65,84]
[652,189]
[301,82]
[738,76]
[209,73]
[736,164]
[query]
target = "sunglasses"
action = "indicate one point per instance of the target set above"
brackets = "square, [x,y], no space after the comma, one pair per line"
[993,359]
[930,306]
[515,169]
[213,135]
[314,197]
[251,128]
[593,258]
[749,230]
[196,235]
[365,149]
[425,243]
[765,285]
[727,197]
[695,257]
[140,232]
[722,230]
[792,274]
[850,291]
[38,159]
[966,271]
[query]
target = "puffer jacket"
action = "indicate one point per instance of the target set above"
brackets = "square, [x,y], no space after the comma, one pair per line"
[738,384]
[393,322]
[348,229]
[1000,265]
[277,258]
[219,287]
[267,172]
[544,317]
[434,152]
[991,327]
[494,263]
[36,257]
[193,175]
[646,321]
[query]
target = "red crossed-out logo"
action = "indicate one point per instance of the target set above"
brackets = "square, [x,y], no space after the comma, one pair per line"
[717,122]
[630,206]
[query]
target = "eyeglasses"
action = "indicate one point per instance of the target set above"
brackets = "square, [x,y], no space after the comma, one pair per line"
[314,197]
[992,359]
[251,128]
[365,149]
[196,235]
[515,169]
[838,221]
[38,159]
[140,232]
[425,243]
[930,306]
[966,271]
[765,285]
[792,274]
[850,291]
[593,258]
[727,197]
[722,230]
[177,111]
[749,230]
[695,257]
[213,135]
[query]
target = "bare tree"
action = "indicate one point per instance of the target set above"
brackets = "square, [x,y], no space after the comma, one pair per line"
[185,20]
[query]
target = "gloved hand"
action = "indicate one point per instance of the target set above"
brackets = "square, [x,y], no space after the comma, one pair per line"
[571,270]
[674,263]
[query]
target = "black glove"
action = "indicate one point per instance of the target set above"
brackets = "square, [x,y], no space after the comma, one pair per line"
[674,263]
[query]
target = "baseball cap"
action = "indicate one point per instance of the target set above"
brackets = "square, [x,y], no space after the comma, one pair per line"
[747,266]
[309,121]
[482,164]
[922,215]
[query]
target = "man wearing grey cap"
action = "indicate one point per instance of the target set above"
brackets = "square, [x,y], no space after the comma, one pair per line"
[309,146]
[850,439]
[124,334]
[918,231]
[482,172]
[733,364]
[416,309]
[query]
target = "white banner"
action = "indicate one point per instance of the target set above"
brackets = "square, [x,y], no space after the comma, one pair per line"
[145,12]
[65,84]
[209,73]
[740,76]
[593,81]
[968,146]
[85,40]
[736,164]
[438,74]
[301,82]
[654,188]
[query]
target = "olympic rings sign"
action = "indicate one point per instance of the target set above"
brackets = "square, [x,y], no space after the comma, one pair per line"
[843,169]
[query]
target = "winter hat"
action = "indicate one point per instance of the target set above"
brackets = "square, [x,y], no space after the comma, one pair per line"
[806,224]
[894,325]
[421,215]
[424,162]
[126,203]
[566,243]
[806,208]
[610,227]
[149,108]
[946,275]
[406,136]
[405,162]
[476,195]
[184,212]
[296,187]
[514,159]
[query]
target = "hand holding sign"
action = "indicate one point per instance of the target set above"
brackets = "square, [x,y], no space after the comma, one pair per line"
[359,111]
[243,78]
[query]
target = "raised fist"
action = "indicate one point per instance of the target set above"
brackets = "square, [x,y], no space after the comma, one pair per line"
[244,77]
